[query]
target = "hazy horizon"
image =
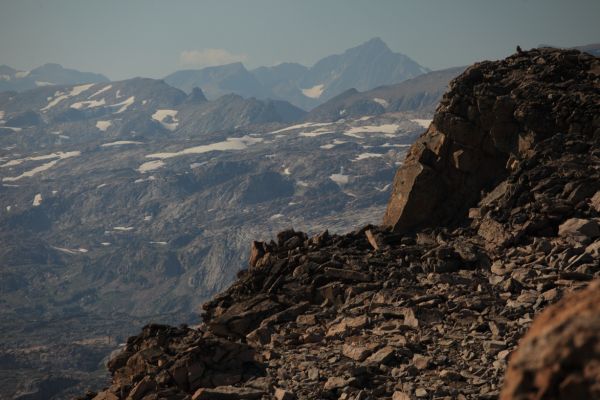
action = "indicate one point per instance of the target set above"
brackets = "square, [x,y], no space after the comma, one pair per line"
[152,38]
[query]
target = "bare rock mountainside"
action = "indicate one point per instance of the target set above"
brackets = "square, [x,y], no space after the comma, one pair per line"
[494,215]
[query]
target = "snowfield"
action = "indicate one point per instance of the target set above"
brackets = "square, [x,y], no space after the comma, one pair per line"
[314,92]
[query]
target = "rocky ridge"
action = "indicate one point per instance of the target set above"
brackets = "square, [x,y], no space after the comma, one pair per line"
[432,304]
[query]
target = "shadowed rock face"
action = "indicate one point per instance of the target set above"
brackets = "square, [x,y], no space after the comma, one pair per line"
[487,123]
[559,358]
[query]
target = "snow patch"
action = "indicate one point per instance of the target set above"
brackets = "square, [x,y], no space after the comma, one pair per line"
[383,189]
[150,166]
[88,104]
[333,144]
[394,145]
[55,156]
[301,126]
[124,104]
[340,179]
[316,132]
[103,125]
[37,200]
[276,216]
[60,96]
[123,228]
[314,92]
[197,164]
[385,128]
[42,84]
[140,180]
[171,122]
[365,156]
[62,249]
[11,128]
[119,143]
[104,89]
[230,144]
[77,90]
[381,102]
[422,122]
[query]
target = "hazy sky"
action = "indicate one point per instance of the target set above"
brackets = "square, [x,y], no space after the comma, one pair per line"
[126,38]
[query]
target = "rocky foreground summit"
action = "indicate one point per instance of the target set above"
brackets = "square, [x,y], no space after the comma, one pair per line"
[494,215]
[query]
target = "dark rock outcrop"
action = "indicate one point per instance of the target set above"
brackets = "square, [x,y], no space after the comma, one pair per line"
[488,125]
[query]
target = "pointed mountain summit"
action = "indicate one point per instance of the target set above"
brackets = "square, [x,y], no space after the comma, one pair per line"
[363,67]
[196,96]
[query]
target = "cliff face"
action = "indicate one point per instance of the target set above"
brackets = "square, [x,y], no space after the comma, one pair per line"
[486,125]
[495,215]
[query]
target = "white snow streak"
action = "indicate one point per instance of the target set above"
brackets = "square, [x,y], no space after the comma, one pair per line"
[314,92]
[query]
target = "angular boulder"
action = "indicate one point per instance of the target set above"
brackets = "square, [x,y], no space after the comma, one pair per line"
[559,358]
[485,126]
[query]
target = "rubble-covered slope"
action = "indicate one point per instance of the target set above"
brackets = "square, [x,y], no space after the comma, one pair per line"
[428,312]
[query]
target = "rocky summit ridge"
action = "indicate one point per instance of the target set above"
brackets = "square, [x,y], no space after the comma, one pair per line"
[494,215]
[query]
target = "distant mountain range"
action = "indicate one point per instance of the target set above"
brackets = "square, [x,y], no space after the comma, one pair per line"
[46,75]
[363,67]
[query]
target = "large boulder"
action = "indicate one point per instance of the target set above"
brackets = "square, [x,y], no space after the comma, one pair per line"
[559,358]
[486,124]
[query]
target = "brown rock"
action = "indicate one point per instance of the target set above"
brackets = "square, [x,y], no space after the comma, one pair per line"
[494,112]
[400,396]
[338,382]
[494,233]
[579,227]
[257,250]
[141,388]
[106,395]
[558,357]
[421,362]
[356,352]
[595,201]
[227,393]
[382,356]
[347,325]
[281,394]
[372,240]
